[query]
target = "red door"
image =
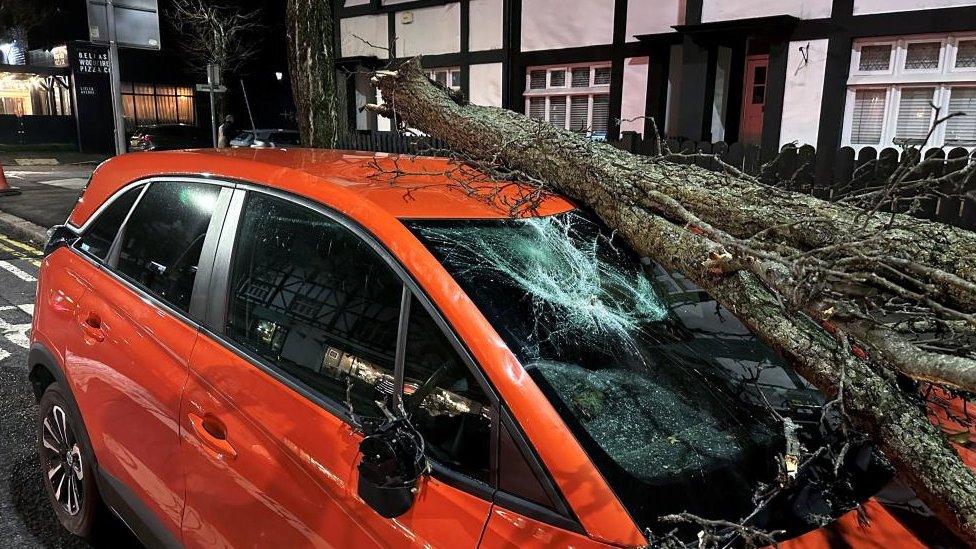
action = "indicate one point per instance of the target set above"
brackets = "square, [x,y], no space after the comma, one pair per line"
[753,98]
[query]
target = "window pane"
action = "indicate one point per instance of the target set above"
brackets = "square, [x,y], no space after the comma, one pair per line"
[441,77]
[537,108]
[557,111]
[557,79]
[875,58]
[915,113]
[537,80]
[601,114]
[166,108]
[961,130]
[445,402]
[601,76]
[966,55]
[316,301]
[579,110]
[145,109]
[186,110]
[923,56]
[581,77]
[98,238]
[455,79]
[868,117]
[162,241]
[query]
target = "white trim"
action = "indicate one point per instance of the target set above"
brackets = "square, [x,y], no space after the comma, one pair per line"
[897,78]
[566,90]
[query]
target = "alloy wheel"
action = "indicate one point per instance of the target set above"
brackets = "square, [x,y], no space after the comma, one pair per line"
[63,461]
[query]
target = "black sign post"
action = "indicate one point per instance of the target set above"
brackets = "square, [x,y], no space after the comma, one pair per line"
[92,99]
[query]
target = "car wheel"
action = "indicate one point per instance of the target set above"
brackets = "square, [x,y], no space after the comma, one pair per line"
[66,463]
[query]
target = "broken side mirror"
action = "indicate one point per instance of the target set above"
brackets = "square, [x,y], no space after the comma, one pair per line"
[57,236]
[391,465]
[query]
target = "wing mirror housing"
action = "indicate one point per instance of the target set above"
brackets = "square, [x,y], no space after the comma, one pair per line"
[57,236]
[390,468]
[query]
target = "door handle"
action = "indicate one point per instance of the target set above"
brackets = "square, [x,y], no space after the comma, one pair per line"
[213,434]
[92,328]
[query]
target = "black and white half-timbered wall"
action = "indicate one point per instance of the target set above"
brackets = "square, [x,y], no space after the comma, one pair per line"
[828,73]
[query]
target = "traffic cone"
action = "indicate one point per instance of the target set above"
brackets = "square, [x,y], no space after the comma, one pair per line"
[5,188]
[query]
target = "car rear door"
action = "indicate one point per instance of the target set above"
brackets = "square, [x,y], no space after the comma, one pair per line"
[302,336]
[136,330]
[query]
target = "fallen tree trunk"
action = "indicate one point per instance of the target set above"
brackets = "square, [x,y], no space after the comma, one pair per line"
[751,247]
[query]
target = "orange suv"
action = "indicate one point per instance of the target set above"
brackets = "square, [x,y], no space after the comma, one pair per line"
[257,348]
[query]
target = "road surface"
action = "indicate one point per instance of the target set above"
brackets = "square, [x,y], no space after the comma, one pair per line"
[26,519]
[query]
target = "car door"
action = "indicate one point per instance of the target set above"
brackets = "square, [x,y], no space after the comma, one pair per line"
[135,335]
[306,349]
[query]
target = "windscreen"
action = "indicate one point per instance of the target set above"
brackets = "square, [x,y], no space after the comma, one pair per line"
[672,397]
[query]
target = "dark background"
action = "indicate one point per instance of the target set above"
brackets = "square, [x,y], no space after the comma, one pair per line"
[270,99]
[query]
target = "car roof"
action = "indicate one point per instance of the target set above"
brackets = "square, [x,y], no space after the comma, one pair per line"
[423,187]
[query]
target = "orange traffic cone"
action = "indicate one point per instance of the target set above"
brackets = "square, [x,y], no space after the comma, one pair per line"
[5,188]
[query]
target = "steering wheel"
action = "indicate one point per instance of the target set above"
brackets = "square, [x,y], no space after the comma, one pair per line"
[412,402]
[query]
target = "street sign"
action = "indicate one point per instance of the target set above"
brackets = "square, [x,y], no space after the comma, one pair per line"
[207,88]
[213,74]
[136,23]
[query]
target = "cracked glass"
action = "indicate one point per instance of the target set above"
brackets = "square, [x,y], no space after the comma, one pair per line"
[668,393]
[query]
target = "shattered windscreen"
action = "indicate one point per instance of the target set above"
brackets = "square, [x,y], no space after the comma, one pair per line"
[670,395]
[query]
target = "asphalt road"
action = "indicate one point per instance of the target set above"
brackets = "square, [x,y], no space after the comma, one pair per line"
[47,192]
[26,518]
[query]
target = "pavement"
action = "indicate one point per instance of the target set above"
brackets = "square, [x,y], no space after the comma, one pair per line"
[47,195]
[26,518]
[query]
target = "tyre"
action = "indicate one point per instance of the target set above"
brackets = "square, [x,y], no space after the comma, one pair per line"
[66,463]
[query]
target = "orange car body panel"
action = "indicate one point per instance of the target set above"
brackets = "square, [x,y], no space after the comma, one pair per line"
[292,474]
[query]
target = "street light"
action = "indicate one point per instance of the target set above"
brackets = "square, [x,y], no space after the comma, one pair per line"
[279,76]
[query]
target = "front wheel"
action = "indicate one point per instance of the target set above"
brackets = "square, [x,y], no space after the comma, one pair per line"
[66,463]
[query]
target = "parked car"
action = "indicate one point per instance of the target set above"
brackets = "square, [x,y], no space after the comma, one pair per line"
[217,356]
[266,138]
[165,137]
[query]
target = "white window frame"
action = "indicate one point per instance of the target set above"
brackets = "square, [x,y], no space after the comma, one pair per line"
[432,74]
[897,78]
[954,50]
[567,90]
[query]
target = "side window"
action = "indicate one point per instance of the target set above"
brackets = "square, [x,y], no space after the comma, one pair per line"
[98,238]
[313,298]
[445,402]
[162,241]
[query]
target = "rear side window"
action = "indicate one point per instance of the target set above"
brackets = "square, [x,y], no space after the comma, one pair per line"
[444,400]
[162,241]
[99,237]
[314,299]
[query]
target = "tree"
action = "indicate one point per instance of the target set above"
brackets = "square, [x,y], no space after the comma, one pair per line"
[216,32]
[311,65]
[18,17]
[854,297]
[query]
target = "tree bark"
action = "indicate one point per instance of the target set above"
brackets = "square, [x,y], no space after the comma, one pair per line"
[311,66]
[648,202]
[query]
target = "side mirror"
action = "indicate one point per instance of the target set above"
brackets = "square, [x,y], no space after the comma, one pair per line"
[392,462]
[57,236]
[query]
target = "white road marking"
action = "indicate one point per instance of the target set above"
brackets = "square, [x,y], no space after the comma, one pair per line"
[15,333]
[4,355]
[27,308]
[69,183]
[17,271]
